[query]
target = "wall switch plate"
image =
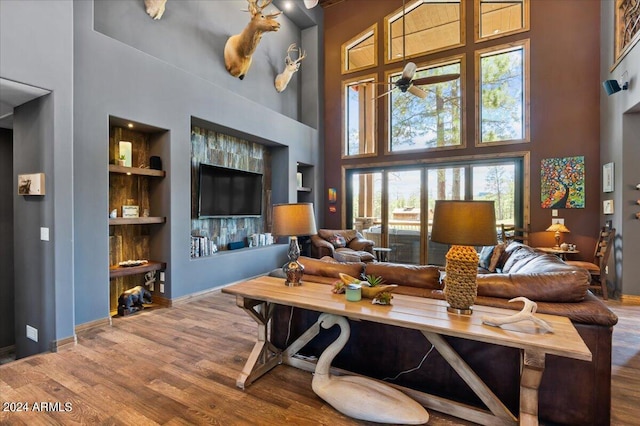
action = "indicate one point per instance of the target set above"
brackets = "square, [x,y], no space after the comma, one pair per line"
[554,212]
[32,333]
[44,234]
[161,288]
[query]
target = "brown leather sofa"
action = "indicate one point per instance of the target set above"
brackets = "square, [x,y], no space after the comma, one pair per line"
[350,246]
[572,392]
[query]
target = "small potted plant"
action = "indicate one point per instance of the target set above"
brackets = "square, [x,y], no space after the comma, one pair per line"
[121,160]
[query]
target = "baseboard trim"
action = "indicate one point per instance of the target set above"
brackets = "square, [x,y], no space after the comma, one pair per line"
[67,342]
[199,294]
[7,350]
[163,301]
[92,324]
[193,296]
[629,299]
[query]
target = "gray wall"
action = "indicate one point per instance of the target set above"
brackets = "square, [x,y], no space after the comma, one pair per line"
[7,335]
[620,144]
[36,49]
[165,82]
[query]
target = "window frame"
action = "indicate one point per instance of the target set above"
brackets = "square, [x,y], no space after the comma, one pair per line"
[463,110]
[368,32]
[345,120]
[521,159]
[397,14]
[526,12]
[526,103]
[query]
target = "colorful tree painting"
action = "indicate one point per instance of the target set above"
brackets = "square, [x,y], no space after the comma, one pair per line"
[562,183]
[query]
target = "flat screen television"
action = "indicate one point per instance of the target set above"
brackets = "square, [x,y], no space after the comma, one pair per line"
[227,192]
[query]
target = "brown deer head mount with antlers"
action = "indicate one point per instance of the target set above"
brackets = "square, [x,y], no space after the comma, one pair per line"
[291,66]
[240,47]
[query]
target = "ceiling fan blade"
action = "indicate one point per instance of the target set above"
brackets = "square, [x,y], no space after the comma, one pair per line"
[417,91]
[409,70]
[384,94]
[435,79]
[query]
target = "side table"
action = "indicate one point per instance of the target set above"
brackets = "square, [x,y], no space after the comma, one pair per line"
[562,254]
[382,253]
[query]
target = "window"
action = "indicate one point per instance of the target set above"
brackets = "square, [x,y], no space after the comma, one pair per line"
[497,18]
[359,117]
[361,51]
[502,94]
[433,122]
[431,25]
[394,206]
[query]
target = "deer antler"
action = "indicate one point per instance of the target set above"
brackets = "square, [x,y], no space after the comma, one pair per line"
[526,314]
[301,55]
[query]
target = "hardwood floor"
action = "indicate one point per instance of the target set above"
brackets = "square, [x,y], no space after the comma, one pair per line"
[178,366]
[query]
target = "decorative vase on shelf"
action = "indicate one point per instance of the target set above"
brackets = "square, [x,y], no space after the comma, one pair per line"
[564,246]
[122,162]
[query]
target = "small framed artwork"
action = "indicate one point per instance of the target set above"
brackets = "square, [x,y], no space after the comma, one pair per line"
[607,177]
[130,211]
[333,195]
[607,207]
[31,184]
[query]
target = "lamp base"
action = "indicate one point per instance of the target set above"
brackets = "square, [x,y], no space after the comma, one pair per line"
[459,311]
[460,280]
[293,270]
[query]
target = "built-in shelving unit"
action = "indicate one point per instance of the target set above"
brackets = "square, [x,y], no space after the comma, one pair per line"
[305,190]
[135,238]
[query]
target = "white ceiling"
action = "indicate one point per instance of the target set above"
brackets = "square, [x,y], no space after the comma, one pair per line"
[13,94]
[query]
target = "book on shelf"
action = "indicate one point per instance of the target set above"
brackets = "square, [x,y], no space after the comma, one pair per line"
[202,246]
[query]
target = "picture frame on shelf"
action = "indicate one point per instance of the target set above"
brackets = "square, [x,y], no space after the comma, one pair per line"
[607,178]
[130,211]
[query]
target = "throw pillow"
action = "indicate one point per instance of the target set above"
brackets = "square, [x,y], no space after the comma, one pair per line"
[338,241]
[495,256]
[485,256]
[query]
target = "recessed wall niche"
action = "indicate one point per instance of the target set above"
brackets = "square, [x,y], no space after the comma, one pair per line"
[219,149]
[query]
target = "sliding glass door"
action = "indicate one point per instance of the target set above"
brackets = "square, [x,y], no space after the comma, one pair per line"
[394,206]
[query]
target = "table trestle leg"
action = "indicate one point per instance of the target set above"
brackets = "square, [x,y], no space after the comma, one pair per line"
[532,370]
[264,355]
[483,392]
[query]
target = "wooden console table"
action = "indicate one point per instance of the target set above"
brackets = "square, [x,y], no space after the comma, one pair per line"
[259,296]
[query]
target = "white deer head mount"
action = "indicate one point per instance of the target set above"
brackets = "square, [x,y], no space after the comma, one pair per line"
[155,8]
[240,47]
[291,66]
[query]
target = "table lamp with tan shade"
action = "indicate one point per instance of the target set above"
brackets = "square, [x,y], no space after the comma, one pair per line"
[293,220]
[557,228]
[463,225]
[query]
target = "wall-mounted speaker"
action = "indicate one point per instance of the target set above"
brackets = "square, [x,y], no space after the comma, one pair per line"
[155,163]
[612,86]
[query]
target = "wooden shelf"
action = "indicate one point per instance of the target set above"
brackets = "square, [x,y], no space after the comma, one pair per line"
[113,168]
[122,271]
[136,220]
[304,189]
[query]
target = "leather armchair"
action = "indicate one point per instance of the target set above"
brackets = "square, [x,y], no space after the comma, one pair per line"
[355,245]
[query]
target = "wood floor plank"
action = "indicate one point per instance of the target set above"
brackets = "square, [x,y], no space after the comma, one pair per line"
[178,366]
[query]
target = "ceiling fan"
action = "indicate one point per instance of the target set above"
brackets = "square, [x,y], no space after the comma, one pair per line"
[406,82]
